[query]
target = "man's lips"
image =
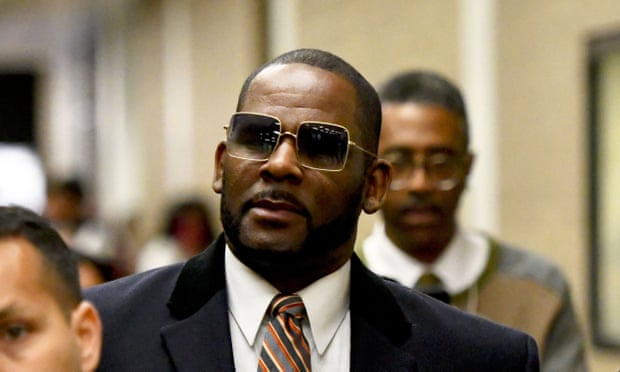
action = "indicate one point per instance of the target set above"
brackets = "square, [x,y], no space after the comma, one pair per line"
[277,207]
[421,215]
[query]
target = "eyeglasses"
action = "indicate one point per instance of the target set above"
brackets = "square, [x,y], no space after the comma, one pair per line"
[319,145]
[444,170]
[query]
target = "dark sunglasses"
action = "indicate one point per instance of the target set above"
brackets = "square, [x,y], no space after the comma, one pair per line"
[319,145]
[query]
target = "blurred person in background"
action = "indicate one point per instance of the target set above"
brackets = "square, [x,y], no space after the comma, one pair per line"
[93,271]
[65,205]
[68,208]
[419,243]
[187,230]
[22,177]
[45,325]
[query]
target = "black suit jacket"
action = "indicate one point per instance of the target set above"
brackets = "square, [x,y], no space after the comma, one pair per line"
[176,319]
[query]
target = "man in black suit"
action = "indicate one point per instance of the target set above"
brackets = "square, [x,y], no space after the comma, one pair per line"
[297,168]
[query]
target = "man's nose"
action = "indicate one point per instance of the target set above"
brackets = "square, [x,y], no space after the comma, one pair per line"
[283,162]
[419,180]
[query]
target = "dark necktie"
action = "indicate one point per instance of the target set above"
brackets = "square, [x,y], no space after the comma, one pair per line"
[285,348]
[430,284]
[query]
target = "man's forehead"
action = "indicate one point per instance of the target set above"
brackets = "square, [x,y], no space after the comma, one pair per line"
[280,77]
[20,264]
[277,69]
[308,92]
[25,272]
[421,126]
[16,249]
[300,70]
[421,116]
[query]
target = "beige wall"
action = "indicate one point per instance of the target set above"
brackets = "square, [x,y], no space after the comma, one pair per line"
[543,133]
[225,45]
[380,38]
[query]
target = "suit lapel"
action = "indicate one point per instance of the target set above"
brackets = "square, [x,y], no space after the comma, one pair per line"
[199,302]
[202,341]
[380,332]
[372,351]
[202,276]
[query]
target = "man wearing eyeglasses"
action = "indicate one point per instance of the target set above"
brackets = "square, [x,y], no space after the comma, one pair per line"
[281,289]
[420,244]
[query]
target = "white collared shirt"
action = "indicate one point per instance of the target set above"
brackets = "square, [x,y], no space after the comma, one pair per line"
[459,267]
[328,328]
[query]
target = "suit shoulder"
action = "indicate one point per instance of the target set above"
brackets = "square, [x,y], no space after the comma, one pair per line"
[133,310]
[150,285]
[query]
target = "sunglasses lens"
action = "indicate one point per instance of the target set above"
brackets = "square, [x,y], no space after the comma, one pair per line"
[252,136]
[322,146]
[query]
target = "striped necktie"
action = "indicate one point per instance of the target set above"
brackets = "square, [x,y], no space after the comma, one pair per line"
[285,348]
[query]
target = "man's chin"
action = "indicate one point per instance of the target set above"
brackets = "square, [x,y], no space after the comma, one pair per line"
[421,229]
[273,260]
[276,240]
[273,249]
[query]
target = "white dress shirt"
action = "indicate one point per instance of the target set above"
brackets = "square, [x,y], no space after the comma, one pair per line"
[327,329]
[459,266]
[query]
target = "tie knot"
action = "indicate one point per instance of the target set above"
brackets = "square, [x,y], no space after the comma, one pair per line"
[287,304]
[428,280]
[430,284]
[285,348]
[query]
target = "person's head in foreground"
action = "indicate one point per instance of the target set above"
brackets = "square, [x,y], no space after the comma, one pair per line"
[299,166]
[44,323]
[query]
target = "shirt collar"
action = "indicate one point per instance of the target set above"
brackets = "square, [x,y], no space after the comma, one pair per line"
[249,295]
[384,258]
[459,267]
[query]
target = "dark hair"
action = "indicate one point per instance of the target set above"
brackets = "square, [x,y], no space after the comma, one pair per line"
[426,87]
[57,258]
[368,106]
[182,207]
[72,191]
[70,186]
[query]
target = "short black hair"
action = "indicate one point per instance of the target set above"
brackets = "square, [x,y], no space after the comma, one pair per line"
[20,222]
[420,86]
[368,106]
[71,186]
[191,204]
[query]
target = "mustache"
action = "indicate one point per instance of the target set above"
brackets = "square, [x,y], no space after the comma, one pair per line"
[277,196]
[415,202]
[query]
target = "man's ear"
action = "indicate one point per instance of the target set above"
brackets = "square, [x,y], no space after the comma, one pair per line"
[86,326]
[377,184]
[220,153]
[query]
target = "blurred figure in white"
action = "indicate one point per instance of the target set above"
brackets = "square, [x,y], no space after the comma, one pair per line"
[69,209]
[187,230]
[22,177]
